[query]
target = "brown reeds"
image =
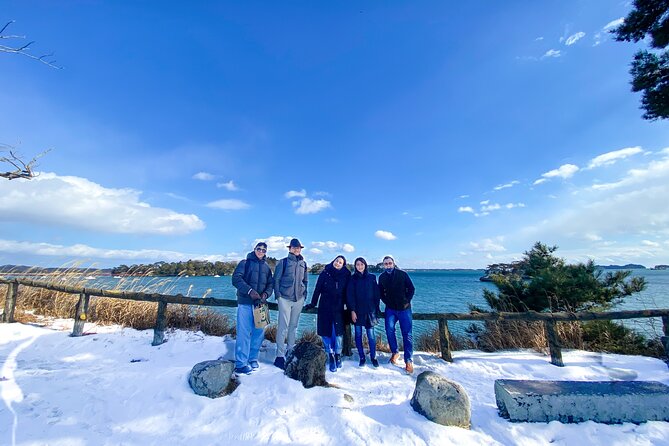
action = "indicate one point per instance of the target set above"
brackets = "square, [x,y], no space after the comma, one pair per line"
[139,315]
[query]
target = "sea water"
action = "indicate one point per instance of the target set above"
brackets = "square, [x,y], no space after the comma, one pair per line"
[437,291]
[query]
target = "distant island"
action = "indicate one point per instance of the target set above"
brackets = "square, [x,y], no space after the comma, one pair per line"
[660,267]
[628,266]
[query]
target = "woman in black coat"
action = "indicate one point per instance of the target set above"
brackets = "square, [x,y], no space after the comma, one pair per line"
[362,298]
[331,289]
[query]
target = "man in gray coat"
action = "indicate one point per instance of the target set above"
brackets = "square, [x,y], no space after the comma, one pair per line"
[290,289]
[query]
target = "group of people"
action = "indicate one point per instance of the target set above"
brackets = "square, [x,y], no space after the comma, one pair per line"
[340,297]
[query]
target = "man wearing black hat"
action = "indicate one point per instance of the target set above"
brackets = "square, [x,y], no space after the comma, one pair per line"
[290,289]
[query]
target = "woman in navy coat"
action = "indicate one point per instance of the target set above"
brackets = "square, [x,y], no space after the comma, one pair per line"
[362,298]
[331,290]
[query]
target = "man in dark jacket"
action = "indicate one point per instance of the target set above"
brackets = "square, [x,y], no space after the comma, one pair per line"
[397,290]
[253,280]
[290,289]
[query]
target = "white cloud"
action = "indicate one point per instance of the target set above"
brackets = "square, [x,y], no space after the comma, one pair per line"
[385,235]
[463,196]
[230,185]
[332,220]
[592,237]
[231,204]
[309,206]
[539,38]
[81,251]
[614,23]
[574,38]
[655,170]
[465,209]
[331,246]
[295,193]
[485,202]
[328,244]
[80,203]
[487,245]
[565,171]
[551,53]
[609,158]
[650,243]
[490,207]
[507,185]
[203,176]
[514,205]
[275,243]
[315,251]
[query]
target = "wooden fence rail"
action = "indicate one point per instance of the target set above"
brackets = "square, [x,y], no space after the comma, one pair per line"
[549,319]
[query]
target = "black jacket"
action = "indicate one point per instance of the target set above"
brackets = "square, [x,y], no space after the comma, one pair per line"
[362,297]
[252,273]
[396,289]
[331,290]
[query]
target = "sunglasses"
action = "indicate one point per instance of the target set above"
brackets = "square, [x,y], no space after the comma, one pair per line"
[387,263]
[261,250]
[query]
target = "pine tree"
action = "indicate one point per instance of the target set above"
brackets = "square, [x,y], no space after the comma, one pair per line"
[650,69]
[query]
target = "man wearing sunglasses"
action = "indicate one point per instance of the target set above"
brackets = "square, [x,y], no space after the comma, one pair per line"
[397,290]
[253,280]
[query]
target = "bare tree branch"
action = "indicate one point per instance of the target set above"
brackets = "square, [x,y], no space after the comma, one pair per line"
[23,49]
[21,169]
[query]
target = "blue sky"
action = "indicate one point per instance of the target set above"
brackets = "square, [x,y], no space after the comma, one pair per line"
[448,135]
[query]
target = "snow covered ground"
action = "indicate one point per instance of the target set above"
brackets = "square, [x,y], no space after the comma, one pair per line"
[112,387]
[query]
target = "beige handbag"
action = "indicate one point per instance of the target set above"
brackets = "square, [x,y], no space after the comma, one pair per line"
[261,316]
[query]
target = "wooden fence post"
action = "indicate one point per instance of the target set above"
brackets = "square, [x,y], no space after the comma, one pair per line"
[445,340]
[553,343]
[81,314]
[665,338]
[161,321]
[10,302]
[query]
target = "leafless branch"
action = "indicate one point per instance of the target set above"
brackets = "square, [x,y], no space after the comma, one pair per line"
[21,169]
[23,49]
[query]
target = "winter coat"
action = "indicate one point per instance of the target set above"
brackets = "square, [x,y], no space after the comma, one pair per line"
[331,290]
[362,296]
[258,276]
[290,281]
[396,289]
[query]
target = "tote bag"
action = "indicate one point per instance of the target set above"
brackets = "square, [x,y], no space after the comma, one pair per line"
[261,316]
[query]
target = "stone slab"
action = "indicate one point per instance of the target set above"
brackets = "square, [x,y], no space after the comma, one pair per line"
[609,402]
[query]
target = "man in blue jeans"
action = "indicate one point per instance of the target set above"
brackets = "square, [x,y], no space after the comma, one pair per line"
[397,290]
[254,283]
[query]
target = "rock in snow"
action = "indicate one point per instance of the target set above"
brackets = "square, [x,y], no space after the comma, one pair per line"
[212,378]
[441,400]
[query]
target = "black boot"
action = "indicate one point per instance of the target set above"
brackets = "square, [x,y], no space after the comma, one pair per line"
[333,363]
[338,360]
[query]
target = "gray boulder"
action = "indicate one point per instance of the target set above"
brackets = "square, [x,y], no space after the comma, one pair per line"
[213,378]
[306,363]
[442,401]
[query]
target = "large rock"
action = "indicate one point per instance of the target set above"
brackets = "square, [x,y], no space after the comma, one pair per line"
[576,401]
[213,378]
[306,363]
[440,400]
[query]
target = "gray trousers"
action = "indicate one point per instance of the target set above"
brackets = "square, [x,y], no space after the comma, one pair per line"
[289,316]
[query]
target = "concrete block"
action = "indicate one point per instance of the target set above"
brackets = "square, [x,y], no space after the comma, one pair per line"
[608,402]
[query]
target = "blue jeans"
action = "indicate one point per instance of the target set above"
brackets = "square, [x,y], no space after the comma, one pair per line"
[332,343]
[404,317]
[249,338]
[371,338]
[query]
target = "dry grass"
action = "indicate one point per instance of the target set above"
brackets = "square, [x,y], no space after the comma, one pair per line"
[128,313]
[429,342]
[505,335]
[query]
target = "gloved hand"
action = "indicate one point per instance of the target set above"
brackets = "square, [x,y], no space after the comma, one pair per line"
[308,306]
[254,294]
